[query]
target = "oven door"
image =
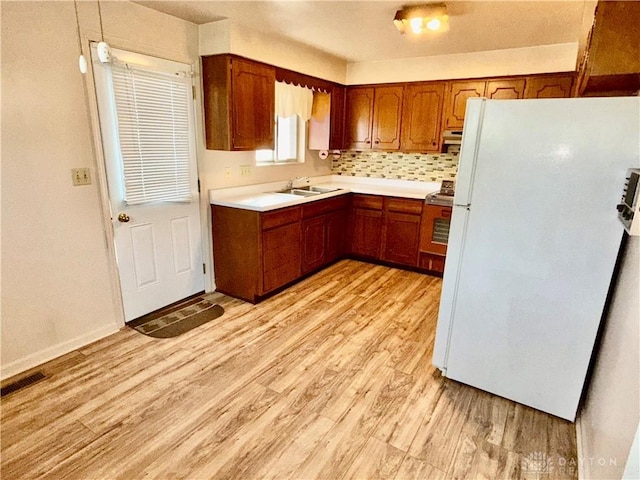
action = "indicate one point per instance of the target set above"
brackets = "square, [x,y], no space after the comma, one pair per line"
[434,233]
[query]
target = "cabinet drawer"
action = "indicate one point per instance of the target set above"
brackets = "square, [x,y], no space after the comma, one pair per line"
[284,238]
[404,205]
[280,217]
[281,275]
[319,207]
[372,202]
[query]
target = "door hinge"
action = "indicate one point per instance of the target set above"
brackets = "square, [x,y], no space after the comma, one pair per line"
[198,185]
[193,91]
[204,269]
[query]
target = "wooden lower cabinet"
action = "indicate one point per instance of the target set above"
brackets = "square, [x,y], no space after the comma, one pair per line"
[314,245]
[366,237]
[366,226]
[324,224]
[386,229]
[336,228]
[280,256]
[256,253]
[402,230]
[401,238]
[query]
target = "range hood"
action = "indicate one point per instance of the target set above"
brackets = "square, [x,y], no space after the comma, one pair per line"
[452,137]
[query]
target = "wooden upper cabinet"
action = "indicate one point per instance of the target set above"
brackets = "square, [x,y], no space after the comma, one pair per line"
[359,117]
[456,102]
[611,62]
[253,102]
[557,86]
[421,116]
[387,115]
[336,134]
[373,117]
[505,89]
[239,103]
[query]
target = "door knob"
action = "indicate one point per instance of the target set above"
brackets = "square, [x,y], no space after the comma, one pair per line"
[123,217]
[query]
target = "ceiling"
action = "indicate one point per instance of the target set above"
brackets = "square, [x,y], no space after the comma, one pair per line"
[360,31]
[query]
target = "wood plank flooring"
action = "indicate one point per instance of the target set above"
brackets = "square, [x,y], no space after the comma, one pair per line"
[330,379]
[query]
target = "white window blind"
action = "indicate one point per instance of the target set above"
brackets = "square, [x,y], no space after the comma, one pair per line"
[153,129]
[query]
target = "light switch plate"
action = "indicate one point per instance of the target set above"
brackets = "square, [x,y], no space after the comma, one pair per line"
[245,170]
[80,176]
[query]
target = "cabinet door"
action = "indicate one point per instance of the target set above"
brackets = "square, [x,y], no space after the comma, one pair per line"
[421,117]
[456,103]
[387,114]
[336,132]
[505,89]
[253,104]
[359,117]
[367,232]
[402,234]
[611,65]
[313,243]
[549,87]
[280,256]
[336,228]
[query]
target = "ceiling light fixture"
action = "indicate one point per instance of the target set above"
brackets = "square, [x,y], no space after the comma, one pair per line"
[420,18]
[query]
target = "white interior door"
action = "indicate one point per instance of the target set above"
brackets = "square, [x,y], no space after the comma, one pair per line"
[147,123]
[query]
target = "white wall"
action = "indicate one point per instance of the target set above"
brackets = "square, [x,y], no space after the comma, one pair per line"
[227,37]
[609,418]
[57,282]
[514,61]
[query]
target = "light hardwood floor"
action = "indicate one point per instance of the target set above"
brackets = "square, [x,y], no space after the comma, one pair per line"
[330,379]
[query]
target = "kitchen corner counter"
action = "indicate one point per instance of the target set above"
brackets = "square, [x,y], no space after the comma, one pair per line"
[264,197]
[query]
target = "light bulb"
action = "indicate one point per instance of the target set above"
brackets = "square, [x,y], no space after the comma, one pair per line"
[416,25]
[433,24]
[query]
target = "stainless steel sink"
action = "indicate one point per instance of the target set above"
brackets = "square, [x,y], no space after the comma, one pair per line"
[307,191]
[298,191]
[323,189]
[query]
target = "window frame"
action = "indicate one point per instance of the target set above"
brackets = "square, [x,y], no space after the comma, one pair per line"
[300,147]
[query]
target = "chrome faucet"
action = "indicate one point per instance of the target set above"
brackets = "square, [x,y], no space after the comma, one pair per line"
[299,179]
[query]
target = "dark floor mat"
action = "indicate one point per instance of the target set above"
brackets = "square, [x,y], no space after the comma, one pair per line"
[174,325]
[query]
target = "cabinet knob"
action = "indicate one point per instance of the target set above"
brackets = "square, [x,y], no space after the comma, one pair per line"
[377,141]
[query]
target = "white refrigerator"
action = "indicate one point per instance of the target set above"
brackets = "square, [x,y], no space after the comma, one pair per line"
[533,243]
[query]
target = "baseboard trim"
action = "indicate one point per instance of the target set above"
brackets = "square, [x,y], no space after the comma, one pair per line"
[54,351]
[582,465]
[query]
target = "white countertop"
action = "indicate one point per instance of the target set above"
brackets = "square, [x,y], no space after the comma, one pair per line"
[262,197]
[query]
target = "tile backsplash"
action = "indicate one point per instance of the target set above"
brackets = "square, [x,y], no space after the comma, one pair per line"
[421,167]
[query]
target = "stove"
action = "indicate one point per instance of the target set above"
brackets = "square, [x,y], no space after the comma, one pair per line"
[444,197]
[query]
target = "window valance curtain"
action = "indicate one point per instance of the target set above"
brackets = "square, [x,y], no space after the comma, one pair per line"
[293,100]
